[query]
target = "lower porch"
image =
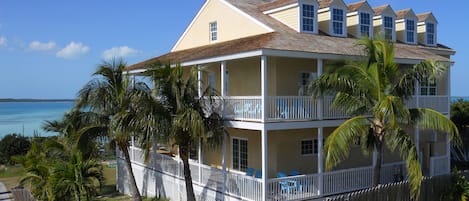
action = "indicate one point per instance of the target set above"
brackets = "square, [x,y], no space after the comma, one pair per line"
[162,175]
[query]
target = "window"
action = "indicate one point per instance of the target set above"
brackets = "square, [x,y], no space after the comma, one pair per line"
[304,78]
[388,28]
[213,31]
[430,34]
[308,18]
[365,24]
[337,21]
[310,146]
[428,87]
[410,31]
[240,154]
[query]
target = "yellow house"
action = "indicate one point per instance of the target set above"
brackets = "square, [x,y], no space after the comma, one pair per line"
[261,55]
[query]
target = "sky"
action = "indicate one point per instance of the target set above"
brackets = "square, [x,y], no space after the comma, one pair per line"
[49,49]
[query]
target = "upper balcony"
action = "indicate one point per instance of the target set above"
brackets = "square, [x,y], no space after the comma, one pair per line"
[284,82]
[304,108]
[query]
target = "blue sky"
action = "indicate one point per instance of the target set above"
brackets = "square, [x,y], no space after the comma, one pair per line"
[49,49]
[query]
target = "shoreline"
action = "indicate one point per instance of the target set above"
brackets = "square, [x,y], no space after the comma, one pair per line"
[12,100]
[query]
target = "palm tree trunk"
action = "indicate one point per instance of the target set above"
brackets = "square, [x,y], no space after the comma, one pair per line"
[377,164]
[184,153]
[133,185]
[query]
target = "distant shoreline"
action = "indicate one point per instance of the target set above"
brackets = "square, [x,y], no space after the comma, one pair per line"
[27,100]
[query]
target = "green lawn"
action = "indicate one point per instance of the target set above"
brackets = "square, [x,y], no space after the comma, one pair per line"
[10,176]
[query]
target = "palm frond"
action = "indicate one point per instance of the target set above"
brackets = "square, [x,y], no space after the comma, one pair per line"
[426,118]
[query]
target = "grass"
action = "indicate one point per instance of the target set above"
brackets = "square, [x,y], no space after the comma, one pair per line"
[10,176]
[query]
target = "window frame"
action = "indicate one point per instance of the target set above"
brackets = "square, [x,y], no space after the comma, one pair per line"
[334,21]
[386,28]
[369,25]
[314,146]
[303,81]
[427,85]
[427,34]
[239,168]
[213,31]
[409,32]
[303,18]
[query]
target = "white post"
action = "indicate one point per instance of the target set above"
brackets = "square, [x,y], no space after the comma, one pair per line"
[223,162]
[223,78]
[264,90]
[200,90]
[264,139]
[448,142]
[132,158]
[417,130]
[320,160]
[320,100]
[265,173]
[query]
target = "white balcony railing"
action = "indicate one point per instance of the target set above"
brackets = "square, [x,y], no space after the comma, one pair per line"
[292,108]
[347,180]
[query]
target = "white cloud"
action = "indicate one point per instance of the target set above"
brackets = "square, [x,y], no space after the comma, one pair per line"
[73,50]
[38,46]
[3,41]
[119,52]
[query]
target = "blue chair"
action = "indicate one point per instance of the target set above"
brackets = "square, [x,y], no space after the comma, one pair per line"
[286,185]
[259,174]
[250,172]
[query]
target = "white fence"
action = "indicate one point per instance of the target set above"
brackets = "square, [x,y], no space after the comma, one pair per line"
[293,188]
[347,180]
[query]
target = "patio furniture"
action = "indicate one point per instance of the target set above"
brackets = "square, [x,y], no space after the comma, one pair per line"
[290,185]
[250,172]
[294,173]
[259,174]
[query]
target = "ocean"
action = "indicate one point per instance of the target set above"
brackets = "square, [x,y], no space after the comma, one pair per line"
[28,117]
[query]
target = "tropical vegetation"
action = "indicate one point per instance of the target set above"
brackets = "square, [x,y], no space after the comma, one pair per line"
[12,145]
[373,92]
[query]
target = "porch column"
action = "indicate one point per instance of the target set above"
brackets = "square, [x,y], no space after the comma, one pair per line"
[264,90]
[223,163]
[223,86]
[265,173]
[320,114]
[132,155]
[199,152]
[417,130]
[264,138]
[320,160]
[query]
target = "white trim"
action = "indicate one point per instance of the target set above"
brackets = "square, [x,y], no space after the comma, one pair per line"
[313,147]
[315,17]
[353,13]
[283,125]
[267,12]
[190,25]
[322,10]
[223,58]
[248,16]
[265,164]
[230,6]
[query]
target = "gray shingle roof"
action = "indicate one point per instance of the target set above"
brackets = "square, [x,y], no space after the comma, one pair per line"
[285,38]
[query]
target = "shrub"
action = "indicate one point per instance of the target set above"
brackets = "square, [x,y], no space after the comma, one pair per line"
[12,145]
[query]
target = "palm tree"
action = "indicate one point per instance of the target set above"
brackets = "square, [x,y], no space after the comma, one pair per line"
[373,92]
[76,179]
[110,94]
[188,117]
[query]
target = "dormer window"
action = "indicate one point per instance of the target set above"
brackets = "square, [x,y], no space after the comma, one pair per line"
[410,31]
[430,33]
[213,31]
[337,21]
[307,18]
[365,24]
[388,27]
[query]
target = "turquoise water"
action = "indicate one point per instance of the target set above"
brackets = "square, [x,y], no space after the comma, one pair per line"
[29,116]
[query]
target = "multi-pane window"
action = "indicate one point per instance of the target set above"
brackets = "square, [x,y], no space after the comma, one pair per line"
[240,154]
[213,31]
[337,21]
[388,27]
[310,146]
[365,24]
[308,17]
[410,31]
[428,87]
[430,33]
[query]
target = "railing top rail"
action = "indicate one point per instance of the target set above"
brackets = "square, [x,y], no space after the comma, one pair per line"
[291,177]
[347,170]
[241,97]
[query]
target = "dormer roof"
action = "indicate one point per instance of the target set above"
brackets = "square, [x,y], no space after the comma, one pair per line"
[405,14]
[428,16]
[355,6]
[276,4]
[328,3]
[384,9]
